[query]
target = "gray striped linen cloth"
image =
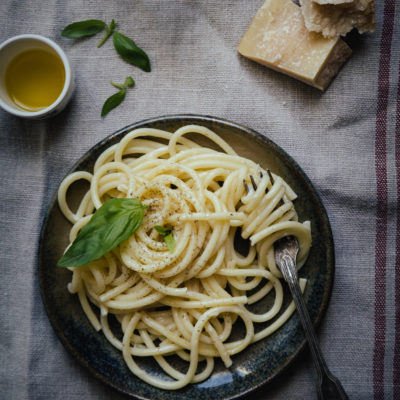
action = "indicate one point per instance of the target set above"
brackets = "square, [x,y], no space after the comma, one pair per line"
[347,140]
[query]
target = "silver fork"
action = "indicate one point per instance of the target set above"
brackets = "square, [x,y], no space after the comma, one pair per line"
[285,250]
[328,386]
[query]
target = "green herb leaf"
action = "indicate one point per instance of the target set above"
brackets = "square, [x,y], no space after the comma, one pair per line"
[131,53]
[83,28]
[109,32]
[162,231]
[129,82]
[112,102]
[170,242]
[111,224]
[166,233]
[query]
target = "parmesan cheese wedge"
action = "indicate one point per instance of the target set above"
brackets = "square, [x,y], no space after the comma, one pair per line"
[278,39]
[338,17]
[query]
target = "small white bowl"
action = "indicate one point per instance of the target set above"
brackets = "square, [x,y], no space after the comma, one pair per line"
[17,44]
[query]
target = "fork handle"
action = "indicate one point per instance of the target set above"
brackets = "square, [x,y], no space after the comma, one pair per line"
[328,386]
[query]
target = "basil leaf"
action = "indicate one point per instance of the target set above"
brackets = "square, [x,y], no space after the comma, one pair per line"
[170,242]
[111,224]
[131,53]
[112,102]
[161,230]
[166,233]
[83,28]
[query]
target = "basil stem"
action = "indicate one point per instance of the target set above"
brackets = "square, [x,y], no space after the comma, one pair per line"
[129,82]
[111,224]
[83,28]
[109,32]
[130,52]
[117,98]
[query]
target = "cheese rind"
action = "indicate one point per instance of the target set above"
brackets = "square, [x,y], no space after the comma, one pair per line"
[338,17]
[278,39]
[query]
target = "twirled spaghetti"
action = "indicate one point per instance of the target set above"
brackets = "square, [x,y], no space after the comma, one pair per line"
[186,302]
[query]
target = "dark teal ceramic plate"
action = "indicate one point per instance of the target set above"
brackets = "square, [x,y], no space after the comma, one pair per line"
[259,363]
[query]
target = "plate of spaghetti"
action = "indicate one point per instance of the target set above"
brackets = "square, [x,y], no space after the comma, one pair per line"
[156,259]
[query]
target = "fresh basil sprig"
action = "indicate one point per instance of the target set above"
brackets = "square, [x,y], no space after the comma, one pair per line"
[166,233]
[117,98]
[80,29]
[111,224]
[130,52]
[124,46]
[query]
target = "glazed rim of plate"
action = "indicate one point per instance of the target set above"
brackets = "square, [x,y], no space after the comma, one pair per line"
[212,123]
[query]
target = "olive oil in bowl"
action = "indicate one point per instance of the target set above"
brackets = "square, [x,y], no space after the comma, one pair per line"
[34,79]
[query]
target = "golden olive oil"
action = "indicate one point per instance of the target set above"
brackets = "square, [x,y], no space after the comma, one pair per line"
[34,79]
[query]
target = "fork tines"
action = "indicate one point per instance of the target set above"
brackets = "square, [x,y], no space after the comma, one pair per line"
[253,182]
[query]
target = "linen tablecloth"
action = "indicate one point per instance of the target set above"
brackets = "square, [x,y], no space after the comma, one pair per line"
[346,139]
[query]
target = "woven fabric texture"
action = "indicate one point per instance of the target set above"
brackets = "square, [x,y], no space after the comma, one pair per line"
[346,139]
